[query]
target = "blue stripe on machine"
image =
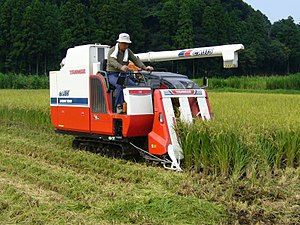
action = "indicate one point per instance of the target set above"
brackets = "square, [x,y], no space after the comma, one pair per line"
[53,100]
[69,101]
[72,101]
[168,92]
[199,92]
[181,53]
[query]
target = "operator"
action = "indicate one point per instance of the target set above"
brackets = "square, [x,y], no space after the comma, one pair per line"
[117,65]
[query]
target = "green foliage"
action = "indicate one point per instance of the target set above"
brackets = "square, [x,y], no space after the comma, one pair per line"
[184,34]
[282,83]
[288,33]
[214,17]
[35,34]
[291,82]
[75,22]
[18,81]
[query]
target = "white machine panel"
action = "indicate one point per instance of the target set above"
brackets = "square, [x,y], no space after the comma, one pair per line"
[185,110]
[170,117]
[139,100]
[73,88]
[204,111]
[71,85]
[53,87]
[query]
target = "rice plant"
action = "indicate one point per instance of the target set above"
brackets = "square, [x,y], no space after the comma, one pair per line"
[290,82]
[25,106]
[251,135]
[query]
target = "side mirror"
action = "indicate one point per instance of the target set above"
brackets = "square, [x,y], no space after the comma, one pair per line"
[205,82]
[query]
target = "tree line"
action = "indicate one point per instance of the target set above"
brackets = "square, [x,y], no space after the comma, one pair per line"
[35,34]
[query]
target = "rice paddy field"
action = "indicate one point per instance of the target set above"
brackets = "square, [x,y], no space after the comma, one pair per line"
[241,168]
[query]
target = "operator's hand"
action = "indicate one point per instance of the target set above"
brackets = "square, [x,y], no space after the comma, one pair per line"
[124,68]
[149,68]
[138,76]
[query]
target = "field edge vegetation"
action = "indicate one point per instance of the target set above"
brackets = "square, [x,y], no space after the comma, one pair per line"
[279,83]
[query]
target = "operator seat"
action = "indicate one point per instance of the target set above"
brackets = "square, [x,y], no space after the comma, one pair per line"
[103,66]
[110,88]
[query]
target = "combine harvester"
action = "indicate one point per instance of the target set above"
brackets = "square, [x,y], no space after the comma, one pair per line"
[82,100]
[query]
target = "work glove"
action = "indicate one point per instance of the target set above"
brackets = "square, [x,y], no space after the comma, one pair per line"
[124,68]
[149,68]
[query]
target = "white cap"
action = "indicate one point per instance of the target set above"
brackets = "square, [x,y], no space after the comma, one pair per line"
[124,38]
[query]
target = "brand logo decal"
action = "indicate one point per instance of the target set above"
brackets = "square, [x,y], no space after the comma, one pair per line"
[64,93]
[196,52]
[80,71]
[139,92]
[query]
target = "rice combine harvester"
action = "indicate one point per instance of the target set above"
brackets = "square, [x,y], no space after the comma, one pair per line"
[82,103]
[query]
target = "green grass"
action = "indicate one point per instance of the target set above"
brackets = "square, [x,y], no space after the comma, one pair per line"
[276,91]
[20,81]
[279,83]
[290,83]
[43,180]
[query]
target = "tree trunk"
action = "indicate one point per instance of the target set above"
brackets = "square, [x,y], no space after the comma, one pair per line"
[37,65]
[193,68]
[45,64]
